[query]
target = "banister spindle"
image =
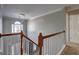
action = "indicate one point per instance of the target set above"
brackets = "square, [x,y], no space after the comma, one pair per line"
[40,43]
[21,47]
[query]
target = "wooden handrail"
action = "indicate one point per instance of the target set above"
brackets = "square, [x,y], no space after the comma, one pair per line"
[30,39]
[50,35]
[11,34]
[40,39]
[21,36]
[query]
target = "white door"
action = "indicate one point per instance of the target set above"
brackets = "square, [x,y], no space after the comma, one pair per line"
[74,27]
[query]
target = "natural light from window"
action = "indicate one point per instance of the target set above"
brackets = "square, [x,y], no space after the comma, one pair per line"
[17,27]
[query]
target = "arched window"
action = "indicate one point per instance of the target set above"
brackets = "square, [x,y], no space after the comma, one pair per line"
[17,27]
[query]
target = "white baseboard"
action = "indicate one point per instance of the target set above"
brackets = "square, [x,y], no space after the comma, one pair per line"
[61,50]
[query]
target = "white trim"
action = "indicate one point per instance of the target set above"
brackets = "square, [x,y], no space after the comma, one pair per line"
[59,53]
[50,12]
[12,48]
[67,28]
[1,50]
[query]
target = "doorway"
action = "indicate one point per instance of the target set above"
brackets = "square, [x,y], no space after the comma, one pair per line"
[73,28]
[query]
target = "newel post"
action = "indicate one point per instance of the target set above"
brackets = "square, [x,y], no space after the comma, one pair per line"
[21,46]
[40,43]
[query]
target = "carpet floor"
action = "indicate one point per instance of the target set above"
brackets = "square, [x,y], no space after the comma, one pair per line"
[71,49]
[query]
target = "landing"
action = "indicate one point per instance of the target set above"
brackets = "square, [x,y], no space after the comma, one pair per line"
[71,49]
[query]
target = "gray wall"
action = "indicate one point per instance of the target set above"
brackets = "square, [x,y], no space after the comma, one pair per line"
[1,42]
[8,21]
[9,41]
[0,22]
[48,24]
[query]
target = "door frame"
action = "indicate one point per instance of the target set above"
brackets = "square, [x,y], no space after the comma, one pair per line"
[67,10]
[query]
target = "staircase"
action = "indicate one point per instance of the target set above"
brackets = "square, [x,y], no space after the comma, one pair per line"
[71,49]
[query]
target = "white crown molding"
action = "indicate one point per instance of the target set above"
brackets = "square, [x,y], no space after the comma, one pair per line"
[50,12]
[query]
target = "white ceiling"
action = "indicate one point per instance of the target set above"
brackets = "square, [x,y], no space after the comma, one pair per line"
[30,10]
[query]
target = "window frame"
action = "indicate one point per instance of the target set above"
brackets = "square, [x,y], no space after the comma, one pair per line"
[17,26]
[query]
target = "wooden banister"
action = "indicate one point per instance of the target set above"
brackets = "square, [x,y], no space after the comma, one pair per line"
[11,34]
[40,39]
[50,35]
[21,36]
[30,39]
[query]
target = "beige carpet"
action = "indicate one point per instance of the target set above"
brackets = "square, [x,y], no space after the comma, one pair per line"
[71,49]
